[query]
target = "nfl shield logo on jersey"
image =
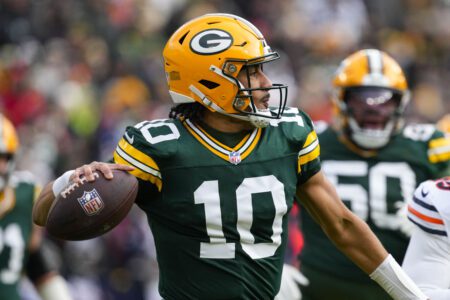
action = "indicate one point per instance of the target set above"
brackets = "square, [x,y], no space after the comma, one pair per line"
[91,202]
[235,157]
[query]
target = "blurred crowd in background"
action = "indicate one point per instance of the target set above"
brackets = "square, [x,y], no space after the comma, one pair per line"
[75,73]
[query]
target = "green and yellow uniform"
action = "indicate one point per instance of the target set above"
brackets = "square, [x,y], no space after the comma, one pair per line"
[15,232]
[219,213]
[374,188]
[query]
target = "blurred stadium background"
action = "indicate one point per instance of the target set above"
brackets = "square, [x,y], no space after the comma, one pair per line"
[74,73]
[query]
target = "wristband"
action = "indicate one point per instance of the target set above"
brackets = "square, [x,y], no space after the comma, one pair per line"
[61,182]
[391,277]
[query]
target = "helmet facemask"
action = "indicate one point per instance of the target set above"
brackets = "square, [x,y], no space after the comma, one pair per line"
[244,101]
[373,115]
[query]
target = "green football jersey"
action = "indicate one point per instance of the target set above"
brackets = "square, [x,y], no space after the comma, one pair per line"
[374,188]
[15,231]
[218,214]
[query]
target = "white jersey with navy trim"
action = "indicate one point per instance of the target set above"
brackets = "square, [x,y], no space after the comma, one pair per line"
[430,207]
[427,260]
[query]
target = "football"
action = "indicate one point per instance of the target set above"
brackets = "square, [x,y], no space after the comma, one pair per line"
[89,209]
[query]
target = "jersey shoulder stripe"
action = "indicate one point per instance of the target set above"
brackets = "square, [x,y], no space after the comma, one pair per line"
[439,149]
[299,131]
[145,167]
[423,212]
[310,150]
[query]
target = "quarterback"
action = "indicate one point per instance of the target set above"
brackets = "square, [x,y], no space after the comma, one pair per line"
[218,178]
[427,259]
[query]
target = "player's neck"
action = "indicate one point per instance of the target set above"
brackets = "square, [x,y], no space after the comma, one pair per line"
[224,123]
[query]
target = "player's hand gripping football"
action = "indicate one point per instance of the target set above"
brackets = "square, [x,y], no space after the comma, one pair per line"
[291,279]
[89,169]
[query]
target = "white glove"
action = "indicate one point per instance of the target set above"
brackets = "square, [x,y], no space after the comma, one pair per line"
[406,226]
[290,280]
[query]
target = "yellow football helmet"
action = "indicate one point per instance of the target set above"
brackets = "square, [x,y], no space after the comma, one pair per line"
[371,97]
[203,59]
[9,144]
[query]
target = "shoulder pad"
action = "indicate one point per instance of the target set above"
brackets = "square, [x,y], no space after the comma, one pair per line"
[438,143]
[298,129]
[295,124]
[156,138]
[419,132]
[320,126]
[18,177]
[430,207]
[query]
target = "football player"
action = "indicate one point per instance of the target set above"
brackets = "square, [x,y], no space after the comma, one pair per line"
[218,178]
[375,162]
[427,259]
[20,240]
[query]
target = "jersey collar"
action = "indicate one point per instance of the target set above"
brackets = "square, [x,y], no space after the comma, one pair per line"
[234,154]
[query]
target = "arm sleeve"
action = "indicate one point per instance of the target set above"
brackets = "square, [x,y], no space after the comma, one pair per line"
[41,262]
[427,262]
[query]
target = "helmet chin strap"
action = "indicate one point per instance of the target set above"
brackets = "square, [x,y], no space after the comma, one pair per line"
[257,121]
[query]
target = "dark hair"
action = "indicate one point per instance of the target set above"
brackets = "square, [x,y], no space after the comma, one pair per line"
[191,111]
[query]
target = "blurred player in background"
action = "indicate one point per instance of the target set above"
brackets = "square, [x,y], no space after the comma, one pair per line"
[427,259]
[375,163]
[218,178]
[20,240]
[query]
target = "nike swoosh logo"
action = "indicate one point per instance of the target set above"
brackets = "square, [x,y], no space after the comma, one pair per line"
[424,194]
[130,139]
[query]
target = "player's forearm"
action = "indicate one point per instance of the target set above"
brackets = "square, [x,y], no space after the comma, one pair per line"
[354,238]
[348,232]
[361,245]
[43,204]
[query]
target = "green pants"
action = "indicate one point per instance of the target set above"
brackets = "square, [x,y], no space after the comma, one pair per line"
[325,287]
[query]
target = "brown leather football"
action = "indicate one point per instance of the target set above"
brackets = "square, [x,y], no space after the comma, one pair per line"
[87,210]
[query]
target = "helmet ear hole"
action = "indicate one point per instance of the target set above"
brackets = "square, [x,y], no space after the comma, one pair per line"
[181,40]
[209,84]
